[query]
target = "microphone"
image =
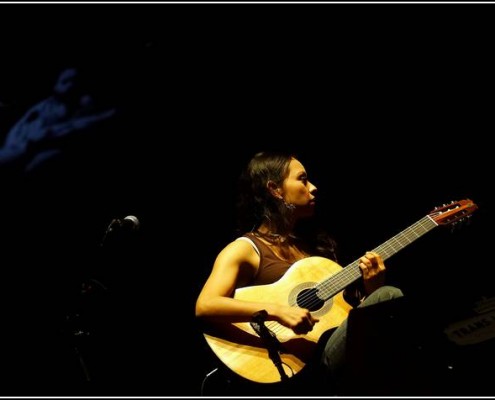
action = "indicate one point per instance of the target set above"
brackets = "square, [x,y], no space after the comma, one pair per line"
[130,222]
[122,227]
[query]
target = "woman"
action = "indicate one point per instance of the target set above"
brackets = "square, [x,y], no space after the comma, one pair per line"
[276,203]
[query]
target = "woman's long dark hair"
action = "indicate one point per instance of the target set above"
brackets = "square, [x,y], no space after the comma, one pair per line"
[256,205]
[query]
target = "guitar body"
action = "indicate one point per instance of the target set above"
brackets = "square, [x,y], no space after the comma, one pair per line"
[239,347]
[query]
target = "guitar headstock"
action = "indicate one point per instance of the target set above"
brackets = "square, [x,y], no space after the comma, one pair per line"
[453,212]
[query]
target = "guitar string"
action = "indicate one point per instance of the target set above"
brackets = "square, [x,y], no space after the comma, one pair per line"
[386,250]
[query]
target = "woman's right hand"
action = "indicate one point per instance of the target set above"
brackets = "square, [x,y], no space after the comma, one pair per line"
[298,319]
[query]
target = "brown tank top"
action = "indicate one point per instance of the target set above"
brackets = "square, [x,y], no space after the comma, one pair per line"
[271,267]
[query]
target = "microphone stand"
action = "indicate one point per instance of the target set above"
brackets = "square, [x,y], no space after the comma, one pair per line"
[77,321]
[270,340]
[77,334]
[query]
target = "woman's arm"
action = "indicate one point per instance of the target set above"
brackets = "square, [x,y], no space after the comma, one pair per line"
[234,267]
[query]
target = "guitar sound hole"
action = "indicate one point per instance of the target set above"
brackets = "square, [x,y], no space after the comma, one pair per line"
[307,298]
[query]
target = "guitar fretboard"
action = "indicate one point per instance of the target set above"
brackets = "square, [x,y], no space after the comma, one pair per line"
[338,282]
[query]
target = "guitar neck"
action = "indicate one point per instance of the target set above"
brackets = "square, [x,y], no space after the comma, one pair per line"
[338,282]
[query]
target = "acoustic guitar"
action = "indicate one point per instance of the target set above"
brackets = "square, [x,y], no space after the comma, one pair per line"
[315,283]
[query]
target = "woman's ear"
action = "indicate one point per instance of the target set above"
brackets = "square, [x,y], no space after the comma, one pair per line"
[274,189]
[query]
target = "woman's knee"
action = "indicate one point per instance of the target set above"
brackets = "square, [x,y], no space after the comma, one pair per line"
[383,293]
[390,292]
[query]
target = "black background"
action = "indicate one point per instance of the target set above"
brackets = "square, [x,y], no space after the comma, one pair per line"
[388,107]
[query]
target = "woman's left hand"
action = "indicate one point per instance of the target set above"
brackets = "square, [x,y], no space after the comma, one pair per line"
[373,270]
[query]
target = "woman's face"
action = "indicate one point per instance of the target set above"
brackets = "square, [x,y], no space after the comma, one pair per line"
[298,190]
